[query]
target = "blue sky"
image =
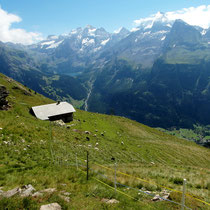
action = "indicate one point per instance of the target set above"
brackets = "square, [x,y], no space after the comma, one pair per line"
[61,16]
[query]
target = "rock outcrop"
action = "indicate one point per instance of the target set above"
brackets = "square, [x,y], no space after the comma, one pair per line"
[3,94]
[51,206]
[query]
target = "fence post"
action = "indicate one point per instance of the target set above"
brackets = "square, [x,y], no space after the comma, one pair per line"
[183,194]
[87,166]
[76,162]
[51,142]
[115,177]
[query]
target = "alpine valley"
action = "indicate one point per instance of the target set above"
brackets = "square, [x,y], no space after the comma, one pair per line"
[157,74]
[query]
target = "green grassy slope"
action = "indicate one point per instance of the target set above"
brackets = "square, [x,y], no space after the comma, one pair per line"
[29,155]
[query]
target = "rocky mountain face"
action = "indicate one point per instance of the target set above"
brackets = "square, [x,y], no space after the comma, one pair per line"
[72,53]
[157,74]
[3,95]
[172,92]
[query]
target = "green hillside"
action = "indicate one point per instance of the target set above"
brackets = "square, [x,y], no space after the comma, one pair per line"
[43,155]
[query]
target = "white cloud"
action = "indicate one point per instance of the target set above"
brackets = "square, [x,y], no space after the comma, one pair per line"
[199,16]
[15,35]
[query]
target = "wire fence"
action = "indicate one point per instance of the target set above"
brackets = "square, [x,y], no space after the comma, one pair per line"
[79,163]
[104,179]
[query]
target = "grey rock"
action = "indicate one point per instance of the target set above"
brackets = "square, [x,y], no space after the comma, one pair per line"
[37,194]
[65,198]
[156,198]
[49,190]
[11,193]
[27,190]
[112,201]
[51,206]
[67,193]
[59,123]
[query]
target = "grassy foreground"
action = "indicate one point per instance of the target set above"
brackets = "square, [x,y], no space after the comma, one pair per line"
[35,152]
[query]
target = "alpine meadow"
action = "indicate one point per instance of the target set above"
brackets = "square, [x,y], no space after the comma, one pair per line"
[93,119]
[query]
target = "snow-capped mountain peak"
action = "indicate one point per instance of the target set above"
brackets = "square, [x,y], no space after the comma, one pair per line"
[122,31]
[118,30]
[52,37]
[158,19]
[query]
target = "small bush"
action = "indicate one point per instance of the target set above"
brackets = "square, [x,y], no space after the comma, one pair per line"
[207,186]
[177,180]
[140,185]
[198,186]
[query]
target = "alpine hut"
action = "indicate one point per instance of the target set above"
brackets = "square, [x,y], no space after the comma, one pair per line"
[56,111]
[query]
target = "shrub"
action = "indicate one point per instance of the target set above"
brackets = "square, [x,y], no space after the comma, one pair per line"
[177,180]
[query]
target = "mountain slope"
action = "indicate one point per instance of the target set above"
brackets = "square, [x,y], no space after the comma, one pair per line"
[172,92]
[32,154]
[19,65]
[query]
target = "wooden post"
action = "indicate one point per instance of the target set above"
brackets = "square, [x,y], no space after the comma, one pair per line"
[87,166]
[51,142]
[76,162]
[115,177]
[183,194]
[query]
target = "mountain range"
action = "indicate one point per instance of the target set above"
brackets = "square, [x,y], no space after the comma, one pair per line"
[157,73]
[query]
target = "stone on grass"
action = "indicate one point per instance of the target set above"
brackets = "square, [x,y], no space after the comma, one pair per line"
[65,198]
[37,194]
[110,201]
[51,206]
[59,123]
[11,193]
[163,195]
[156,198]
[67,193]
[49,190]
[26,190]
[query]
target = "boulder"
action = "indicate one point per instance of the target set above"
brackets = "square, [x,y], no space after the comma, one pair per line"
[51,206]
